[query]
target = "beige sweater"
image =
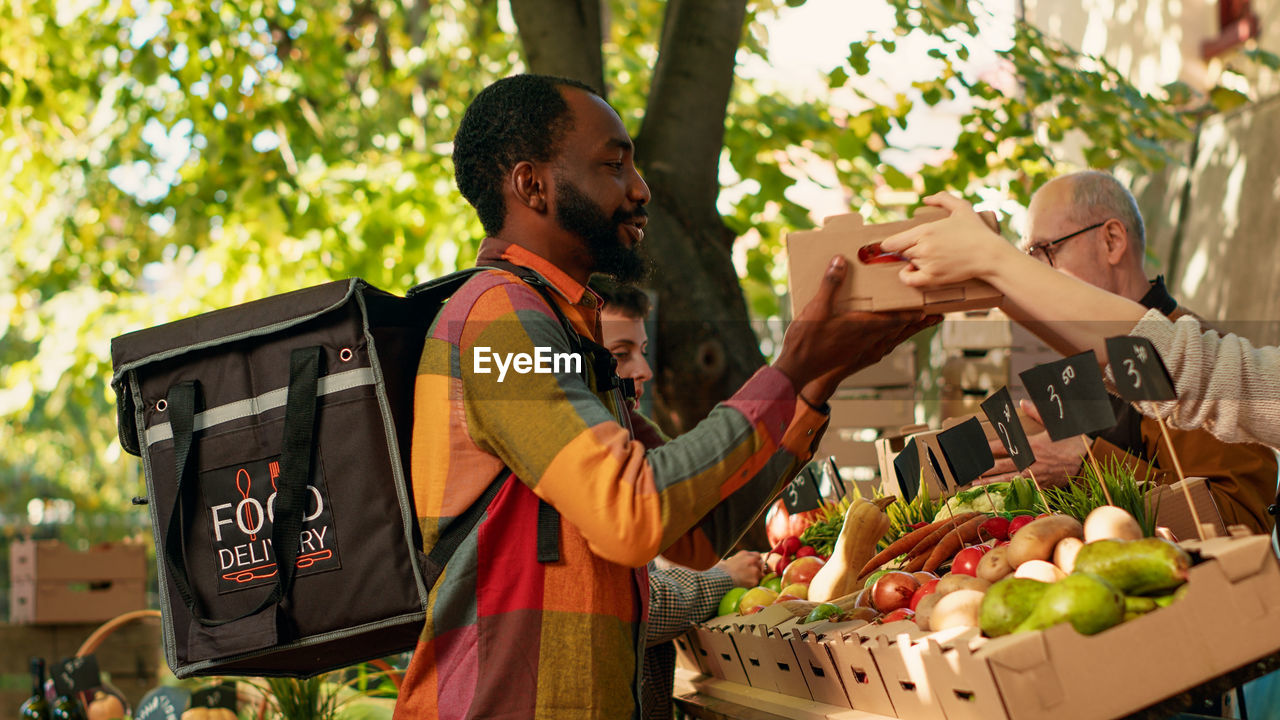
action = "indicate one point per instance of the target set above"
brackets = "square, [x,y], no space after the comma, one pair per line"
[1224,383]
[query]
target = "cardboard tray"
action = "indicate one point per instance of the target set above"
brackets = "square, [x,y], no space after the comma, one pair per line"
[874,287]
[1229,618]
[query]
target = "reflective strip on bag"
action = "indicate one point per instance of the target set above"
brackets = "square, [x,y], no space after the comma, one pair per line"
[262,403]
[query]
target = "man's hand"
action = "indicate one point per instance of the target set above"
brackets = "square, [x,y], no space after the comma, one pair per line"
[822,347]
[745,568]
[1056,462]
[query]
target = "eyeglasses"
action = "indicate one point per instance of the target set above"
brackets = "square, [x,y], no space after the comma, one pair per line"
[1044,252]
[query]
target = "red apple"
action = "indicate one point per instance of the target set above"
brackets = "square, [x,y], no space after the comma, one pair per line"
[779,523]
[802,570]
[926,589]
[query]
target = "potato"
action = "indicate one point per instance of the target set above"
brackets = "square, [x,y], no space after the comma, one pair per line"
[1038,538]
[1039,570]
[952,582]
[1111,523]
[962,608]
[924,609]
[1064,556]
[994,565]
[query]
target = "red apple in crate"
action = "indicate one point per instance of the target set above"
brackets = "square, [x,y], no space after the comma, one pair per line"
[755,599]
[796,591]
[802,569]
[778,523]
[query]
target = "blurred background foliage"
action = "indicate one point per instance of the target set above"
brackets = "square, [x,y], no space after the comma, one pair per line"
[162,158]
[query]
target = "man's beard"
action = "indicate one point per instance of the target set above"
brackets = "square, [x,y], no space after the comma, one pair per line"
[578,214]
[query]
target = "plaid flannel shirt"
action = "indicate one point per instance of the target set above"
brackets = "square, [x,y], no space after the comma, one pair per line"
[508,637]
[679,598]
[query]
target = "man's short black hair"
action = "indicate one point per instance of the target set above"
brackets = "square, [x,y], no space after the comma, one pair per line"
[522,117]
[629,300]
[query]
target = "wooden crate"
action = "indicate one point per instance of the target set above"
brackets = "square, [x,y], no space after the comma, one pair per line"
[52,583]
[131,656]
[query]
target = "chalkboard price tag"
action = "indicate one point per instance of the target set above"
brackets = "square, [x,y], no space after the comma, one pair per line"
[966,451]
[1002,416]
[1139,372]
[1070,396]
[76,674]
[802,494]
[163,703]
[218,696]
[907,467]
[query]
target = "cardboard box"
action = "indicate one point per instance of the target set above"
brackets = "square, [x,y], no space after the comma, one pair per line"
[1228,618]
[719,651]
[816,662]
[873,287]
[51,583]
[689,654]
[897,369]
[878,413]
[900,659]
[851,654]
[976,330]
[848,453]
[1172,511]
[987,373]
[769,661]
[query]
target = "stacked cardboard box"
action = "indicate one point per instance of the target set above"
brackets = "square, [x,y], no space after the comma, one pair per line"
[868,405]
[1228,619]
[980,352]
[53,583]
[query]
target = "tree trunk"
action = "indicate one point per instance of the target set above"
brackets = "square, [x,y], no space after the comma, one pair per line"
[706,348]
[704,345]
[562,37]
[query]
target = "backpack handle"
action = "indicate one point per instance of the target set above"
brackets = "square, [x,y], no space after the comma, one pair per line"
[295,466]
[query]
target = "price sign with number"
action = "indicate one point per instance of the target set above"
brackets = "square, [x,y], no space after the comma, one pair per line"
[1070,396]
[1139,372]
[76,674]
[1002,416]
[803,494]
[907,467]
[966,451]
[219,696]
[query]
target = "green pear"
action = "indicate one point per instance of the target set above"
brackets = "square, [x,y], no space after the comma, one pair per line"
[1136,567]
[1088,602]
[1008,603]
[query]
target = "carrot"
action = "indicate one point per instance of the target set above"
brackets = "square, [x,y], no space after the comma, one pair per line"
[916,563]
[953,541]
[947,526]
[900,546]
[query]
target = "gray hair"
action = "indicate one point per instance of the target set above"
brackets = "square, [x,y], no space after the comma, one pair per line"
[1097,196]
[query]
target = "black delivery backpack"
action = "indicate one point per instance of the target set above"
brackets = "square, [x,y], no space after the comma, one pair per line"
[274,437]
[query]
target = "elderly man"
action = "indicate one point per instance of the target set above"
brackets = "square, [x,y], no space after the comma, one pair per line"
[1087,225]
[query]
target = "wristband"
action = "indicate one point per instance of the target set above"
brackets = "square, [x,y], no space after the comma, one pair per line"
[824,409]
